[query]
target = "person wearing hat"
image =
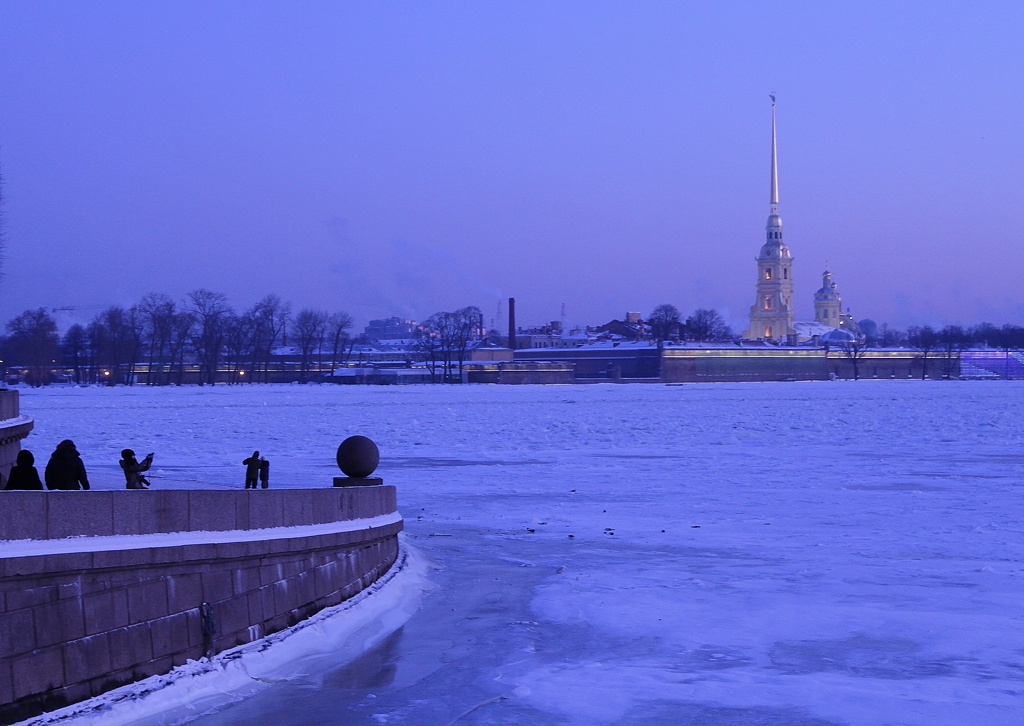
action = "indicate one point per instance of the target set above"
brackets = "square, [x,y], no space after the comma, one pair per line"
[65,469]
[252,470]
[23,473]
[133,469]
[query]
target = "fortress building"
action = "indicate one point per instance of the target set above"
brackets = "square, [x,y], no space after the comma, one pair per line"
[828,306]
[771,315]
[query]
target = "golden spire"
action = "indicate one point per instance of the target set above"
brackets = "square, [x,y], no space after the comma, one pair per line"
[774,202]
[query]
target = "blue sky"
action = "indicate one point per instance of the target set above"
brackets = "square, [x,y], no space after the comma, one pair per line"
[404,158]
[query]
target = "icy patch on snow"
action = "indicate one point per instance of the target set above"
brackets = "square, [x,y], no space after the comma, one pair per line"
[206,686]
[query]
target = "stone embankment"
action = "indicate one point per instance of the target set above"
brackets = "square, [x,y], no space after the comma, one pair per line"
[14,426]
[99,589]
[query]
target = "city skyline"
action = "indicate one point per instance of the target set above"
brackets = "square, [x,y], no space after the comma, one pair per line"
[402,160]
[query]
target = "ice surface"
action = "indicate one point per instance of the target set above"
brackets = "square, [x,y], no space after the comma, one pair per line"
[833,552]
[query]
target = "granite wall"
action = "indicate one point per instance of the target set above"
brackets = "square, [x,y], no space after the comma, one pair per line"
[13,428]
[82,616]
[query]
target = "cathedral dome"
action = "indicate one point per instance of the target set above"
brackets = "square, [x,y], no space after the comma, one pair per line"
[828,290]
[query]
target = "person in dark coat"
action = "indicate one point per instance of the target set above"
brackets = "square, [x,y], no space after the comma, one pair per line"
[264,472]
[24,474]
[133,478]
[252,470]
[65,469]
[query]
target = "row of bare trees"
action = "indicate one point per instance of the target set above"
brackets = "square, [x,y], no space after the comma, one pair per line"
[443,340]
[202,330]
[946,343]
[666,323]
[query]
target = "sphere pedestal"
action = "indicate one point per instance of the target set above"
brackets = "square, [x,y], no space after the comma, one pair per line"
[354,481]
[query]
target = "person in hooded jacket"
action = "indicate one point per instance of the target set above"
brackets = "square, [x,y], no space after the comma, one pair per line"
[252,470]
[264,472]
[133,478]
[24,474]
[65,469]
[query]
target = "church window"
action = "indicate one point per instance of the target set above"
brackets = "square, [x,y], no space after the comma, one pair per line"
[768,331]
[767,302]
[768,273]
[769,253]
[785,273]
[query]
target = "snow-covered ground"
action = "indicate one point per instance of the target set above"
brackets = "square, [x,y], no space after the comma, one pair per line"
[787,554]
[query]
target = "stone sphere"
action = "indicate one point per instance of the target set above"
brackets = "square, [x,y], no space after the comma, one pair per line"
[358,457]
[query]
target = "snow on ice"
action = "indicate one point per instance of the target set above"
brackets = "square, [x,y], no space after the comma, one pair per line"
[797,554]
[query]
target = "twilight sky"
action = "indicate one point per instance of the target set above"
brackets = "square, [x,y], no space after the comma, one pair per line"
[402,158]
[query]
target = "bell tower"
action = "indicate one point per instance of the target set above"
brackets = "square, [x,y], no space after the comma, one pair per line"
[828,306]
[771,315]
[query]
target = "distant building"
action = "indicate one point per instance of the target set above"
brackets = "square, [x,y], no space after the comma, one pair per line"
[771,315]
[390,329]
[552,335]
[828,307]
[632,328]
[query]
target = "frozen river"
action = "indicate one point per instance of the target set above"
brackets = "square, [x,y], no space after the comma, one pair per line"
[788,554]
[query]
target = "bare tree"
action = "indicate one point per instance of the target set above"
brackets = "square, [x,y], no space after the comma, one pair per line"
[34,339]
[211,312]
[1006,338]
[953,339]
[183,326]
[448,330]
[115,335]
[468,325]
[429,345]
[158,312]
[853,350]
[924,339]
[890,337]
[707,324]
[270,320]
[665,321]
[337,330]
[74,351]
[3,226]
[238,340]
[309,331]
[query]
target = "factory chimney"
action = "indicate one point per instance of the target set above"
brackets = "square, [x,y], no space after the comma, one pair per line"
[512,323]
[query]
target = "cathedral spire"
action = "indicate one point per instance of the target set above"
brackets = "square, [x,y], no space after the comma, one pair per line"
[774,202]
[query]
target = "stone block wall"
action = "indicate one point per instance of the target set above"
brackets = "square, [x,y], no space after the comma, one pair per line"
[59,514]
[13,428]
[76,624]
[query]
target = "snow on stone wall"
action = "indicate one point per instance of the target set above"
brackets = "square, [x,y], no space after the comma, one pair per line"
[86,614]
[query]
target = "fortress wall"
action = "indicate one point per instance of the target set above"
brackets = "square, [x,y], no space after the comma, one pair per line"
[693,365]
[82,616]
